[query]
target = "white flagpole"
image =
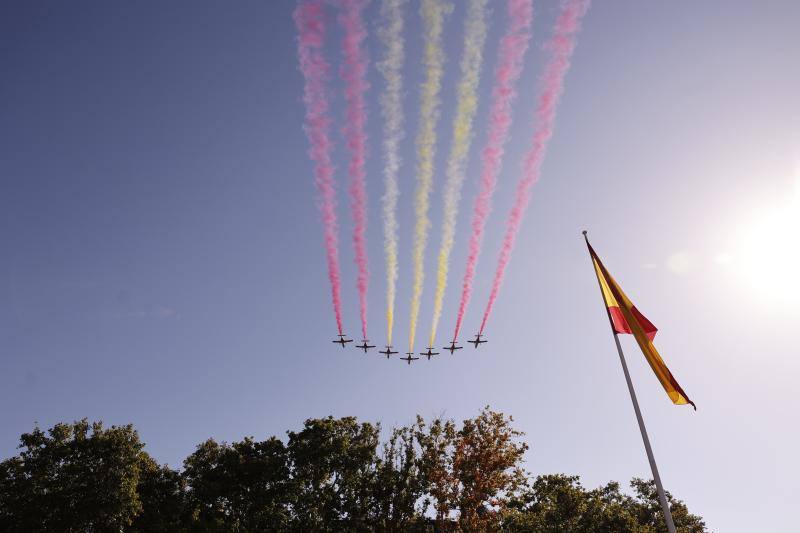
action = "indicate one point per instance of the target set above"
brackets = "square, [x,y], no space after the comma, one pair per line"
[642,429]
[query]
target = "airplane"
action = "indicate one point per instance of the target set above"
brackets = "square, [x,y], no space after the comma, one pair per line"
[453,347]
[429,353]
[478,340]
[388,353]
[364,346]
[409,358]
[342,340]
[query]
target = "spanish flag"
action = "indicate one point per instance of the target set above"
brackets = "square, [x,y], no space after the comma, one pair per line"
[625,318]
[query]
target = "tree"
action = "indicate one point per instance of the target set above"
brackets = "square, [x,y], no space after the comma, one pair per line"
[240,487]
[331,475]
[398,484]
[74,478]
[333,468]
[162,492]
[436,443]
[648,509]
[470,472]
[556,503]
[487,466]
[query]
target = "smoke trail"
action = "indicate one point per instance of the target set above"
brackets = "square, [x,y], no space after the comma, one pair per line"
[309,17]
[509,66]
[561,45]
[466,105]
[353,73]
[391,35]
[433,13]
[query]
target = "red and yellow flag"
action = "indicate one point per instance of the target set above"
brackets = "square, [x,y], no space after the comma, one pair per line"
[625,318]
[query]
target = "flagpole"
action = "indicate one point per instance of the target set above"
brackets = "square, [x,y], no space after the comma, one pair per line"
[662,498]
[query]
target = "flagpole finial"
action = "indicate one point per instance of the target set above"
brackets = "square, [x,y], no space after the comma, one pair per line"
[584,233]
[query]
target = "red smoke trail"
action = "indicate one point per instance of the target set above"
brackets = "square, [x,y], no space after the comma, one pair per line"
[309,17]
[512,50]
[561,45]
[355,86]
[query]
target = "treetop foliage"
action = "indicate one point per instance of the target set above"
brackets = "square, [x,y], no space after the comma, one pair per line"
[334,474]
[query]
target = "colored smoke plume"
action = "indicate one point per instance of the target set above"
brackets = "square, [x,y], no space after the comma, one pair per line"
[309,17]
[560,46]
[513,46]
[433,14]
[466,105]
[353,73]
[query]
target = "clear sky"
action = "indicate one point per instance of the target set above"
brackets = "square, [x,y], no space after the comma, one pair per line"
[162,259]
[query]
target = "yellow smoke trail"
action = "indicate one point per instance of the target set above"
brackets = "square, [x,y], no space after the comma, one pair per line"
[433,13]
[391,35]
[466,105]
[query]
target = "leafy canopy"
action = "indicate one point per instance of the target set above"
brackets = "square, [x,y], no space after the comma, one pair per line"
[334,474]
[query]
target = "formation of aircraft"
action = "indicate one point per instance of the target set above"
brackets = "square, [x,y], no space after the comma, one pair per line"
[364,346]
[429,353]
[342,340]
[409,357]
[388,352]
[452,347]
[478,340]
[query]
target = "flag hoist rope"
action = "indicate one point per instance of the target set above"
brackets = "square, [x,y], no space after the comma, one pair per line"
[662,498]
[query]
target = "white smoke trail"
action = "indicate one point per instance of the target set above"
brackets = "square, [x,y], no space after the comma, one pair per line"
[391,35]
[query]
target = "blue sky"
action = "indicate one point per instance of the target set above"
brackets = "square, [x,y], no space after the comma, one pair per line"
[163,261]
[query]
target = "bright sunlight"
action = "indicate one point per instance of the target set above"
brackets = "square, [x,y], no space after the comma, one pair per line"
[769,256]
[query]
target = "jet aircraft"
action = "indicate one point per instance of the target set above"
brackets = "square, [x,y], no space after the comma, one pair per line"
[409,358]
[430,353]
[342,340]
[478,340]
[453,347]
[364,346]
[388,352]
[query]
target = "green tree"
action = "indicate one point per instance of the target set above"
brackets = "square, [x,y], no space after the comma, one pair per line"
[331,475]
[244,486]
[436,443]
[162,492]
[556,503]
[648,509]
[398,484]
[74,478]
[333,466]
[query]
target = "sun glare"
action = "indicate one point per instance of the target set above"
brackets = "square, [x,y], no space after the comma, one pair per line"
[770,250]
